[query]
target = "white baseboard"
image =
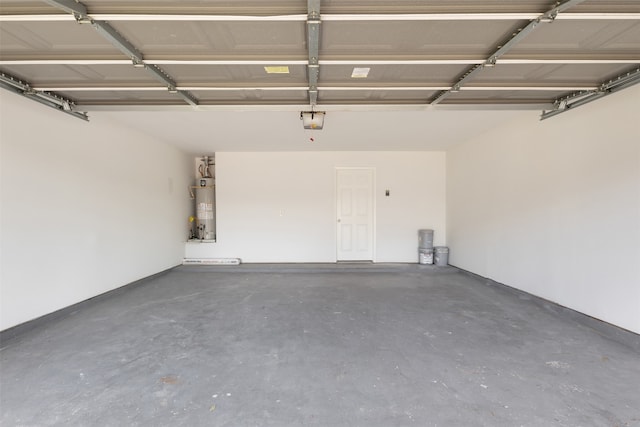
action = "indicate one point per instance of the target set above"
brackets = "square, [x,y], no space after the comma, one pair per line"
[211,261]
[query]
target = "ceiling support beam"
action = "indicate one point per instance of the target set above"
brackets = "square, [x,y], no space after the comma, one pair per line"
[313,48]
[372,61]
[306,88]
[470,73]
[49,99]
[576,99]
[73,7]
[139,17]
[79,11]
[325,107]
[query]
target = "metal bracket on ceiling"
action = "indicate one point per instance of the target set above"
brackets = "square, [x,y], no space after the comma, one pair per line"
[313,48]
[516,38]
[50,99]
[579,98]
[82,19]
[549,16]
[80,13]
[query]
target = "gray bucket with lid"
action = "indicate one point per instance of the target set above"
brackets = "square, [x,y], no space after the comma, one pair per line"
[425,239]
[441,256]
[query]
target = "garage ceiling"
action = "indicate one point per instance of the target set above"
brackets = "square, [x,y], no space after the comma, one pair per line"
[460,54]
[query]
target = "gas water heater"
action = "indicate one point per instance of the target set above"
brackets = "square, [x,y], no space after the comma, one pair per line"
[205,200]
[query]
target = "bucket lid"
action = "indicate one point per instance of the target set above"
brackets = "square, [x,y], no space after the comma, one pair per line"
[425,250]
[441,249]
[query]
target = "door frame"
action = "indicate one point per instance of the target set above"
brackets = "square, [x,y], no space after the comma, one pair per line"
[373,208]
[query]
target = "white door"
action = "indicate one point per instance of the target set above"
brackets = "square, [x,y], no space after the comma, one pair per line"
[355,220]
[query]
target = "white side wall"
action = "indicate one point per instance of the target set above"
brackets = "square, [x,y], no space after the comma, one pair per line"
[280,207]
[85,208]
[553,207]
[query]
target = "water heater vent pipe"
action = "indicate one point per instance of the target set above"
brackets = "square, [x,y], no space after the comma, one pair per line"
[203,169]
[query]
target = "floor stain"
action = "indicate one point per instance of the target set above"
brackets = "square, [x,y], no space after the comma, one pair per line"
[169,379]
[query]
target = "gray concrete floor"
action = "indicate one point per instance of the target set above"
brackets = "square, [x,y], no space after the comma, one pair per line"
[332,345]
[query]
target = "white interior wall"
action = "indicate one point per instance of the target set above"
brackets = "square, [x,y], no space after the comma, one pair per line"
[280,206]
[550,207]
[85,208]
[553,207]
